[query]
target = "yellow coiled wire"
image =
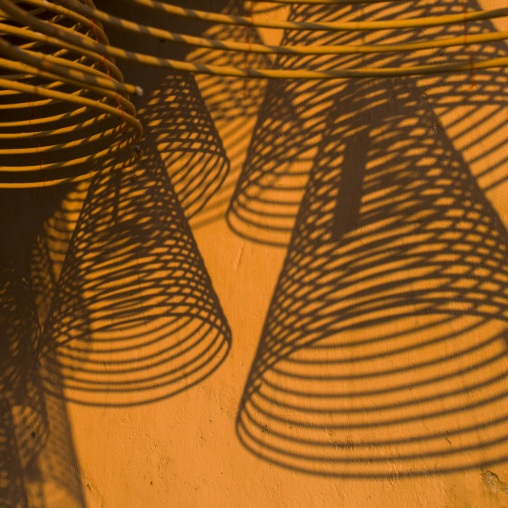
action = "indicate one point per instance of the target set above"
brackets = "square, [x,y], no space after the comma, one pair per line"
[168,10]
[79,69]
[65,112]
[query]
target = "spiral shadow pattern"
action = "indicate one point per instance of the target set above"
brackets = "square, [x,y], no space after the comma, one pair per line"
[184,134]
[173,111]
[135,317]
[38,466]
[64,111]
[292,119]
[384,348]
[233,103]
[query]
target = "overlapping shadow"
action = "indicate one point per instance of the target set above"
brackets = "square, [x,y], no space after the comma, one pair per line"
[178,344]
[293,116]
[172,108]
[135,317]
[51,242]
[37,462]
[23,428]
[160,318]
[233,103]
[182,131]
[384,348]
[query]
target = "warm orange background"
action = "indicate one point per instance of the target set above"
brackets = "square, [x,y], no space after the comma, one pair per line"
[184,451]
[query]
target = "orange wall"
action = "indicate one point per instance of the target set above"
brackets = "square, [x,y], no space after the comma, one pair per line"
[419,371]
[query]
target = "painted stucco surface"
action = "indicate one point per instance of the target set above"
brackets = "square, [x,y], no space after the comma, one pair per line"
[441,439]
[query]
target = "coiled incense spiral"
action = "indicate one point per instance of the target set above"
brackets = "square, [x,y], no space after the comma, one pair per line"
[65,111]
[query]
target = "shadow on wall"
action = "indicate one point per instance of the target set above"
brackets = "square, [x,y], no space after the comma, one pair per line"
[128,273]
[293,117]
[180,128]
[135,317]
[384,349]
[37,461]
[172,109]
[233,103]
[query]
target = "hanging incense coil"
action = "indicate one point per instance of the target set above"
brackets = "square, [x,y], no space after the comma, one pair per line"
[384,350]
[412,25]
[65,112]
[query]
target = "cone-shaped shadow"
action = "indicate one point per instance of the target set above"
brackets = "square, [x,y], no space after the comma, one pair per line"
[273,178]
[172,108]
[184,134]
[135,317]
[23,424]
[293,117]
[233,103]
[38,467]
[384,348]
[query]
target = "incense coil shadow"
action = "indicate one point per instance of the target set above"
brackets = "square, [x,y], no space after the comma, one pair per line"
[275,172]
[384,349]
[23,422]
[233,103]
[135,318]
[36,446]
[55,479]
[293,116]
[58,215]
[180,126]
[183,132]
[11,474]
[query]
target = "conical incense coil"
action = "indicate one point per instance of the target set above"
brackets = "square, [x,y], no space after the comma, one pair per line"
[65,111]
[137,9]
[135,317]
[384,350]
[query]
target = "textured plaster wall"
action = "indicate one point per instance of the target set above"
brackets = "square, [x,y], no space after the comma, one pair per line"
[183,451]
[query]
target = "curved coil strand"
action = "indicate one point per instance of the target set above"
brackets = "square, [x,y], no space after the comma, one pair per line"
[172,10]
[83,121]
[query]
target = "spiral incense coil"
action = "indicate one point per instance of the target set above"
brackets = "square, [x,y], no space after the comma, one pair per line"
[165,11]
[65,112]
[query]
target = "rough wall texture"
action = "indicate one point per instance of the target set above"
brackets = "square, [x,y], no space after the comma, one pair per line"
[341,336]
